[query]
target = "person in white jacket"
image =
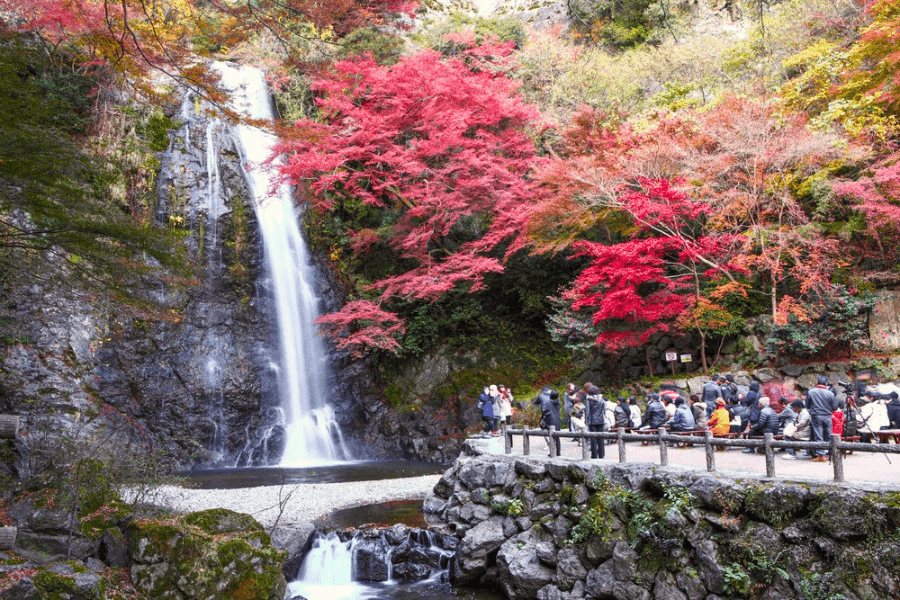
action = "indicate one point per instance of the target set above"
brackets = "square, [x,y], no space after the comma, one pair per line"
[871,416]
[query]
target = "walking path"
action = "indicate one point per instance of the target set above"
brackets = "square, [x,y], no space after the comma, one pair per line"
[859,468]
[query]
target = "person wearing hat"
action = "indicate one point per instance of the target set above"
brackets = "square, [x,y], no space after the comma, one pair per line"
[821,403]
[720,421]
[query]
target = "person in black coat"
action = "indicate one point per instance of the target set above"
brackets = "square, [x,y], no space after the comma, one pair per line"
[595,419]
[752,397]
[766,422]
[893,411]
[550,415]
[655,415]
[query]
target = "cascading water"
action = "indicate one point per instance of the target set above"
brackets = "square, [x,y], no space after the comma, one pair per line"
[312,435]
[364,567]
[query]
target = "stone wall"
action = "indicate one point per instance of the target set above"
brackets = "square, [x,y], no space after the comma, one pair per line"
[559,529]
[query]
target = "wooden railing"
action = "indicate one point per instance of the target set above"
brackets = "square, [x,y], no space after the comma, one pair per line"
[768,443]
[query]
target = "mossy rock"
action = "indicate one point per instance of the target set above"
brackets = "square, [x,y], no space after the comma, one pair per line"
[775,504]
[114,514]
[82,586]
[221,520]
[211,554]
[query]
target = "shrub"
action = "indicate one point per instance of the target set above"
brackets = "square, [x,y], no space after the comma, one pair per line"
[831,322]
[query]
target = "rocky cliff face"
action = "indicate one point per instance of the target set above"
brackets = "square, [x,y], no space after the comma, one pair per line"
[185,371]
[557,529]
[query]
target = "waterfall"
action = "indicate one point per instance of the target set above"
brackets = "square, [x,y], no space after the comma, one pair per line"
[312,435]
[363,565]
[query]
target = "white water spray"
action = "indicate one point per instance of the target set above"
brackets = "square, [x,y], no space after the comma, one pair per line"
[313,436]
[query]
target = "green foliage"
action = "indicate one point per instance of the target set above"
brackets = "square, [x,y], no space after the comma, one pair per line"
[619,23]
[501,29]
[54,196]
[837,321]
[385,48]
[737,580]
[511,508]
[595,521]
[817,586]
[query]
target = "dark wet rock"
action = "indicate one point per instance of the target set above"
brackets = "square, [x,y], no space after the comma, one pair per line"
[411,572]
[691,586]
[710,569]
[521,572]
[113,548]
[569,568]
[474,549]
[601,582]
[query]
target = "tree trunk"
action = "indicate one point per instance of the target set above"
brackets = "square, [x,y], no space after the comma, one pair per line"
[774,300]
[703,351]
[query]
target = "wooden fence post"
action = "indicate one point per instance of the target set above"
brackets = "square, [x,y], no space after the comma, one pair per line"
[507,440]
[770,455]
[526,441]
[9,427]
[585,446]
[621,444]
[710,453]
[837,459]
[8,538]
[663,451]
[551,429]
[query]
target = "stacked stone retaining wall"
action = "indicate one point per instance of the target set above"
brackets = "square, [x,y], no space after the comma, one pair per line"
[557,529]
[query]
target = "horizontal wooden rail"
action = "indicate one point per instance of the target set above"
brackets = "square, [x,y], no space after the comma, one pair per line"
[768,443]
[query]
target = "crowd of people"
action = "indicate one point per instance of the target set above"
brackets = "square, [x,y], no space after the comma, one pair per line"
[495,404]
[721,407]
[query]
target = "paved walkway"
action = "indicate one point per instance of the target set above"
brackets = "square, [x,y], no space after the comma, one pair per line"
[859,468]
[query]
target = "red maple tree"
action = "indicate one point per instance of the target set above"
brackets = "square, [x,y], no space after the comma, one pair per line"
[438,146]
[643,286]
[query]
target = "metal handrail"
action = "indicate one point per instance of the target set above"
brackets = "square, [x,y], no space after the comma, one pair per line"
[768,443]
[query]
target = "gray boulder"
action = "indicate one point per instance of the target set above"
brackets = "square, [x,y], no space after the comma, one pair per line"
[569,568]
[521,572]
[474,549]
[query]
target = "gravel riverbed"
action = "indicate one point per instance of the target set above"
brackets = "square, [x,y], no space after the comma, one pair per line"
[295,503]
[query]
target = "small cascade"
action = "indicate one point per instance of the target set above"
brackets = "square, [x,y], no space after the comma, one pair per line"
[312,435]
[215,198]
[364,563]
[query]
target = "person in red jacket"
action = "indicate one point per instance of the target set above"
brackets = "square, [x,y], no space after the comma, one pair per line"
[837,420]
